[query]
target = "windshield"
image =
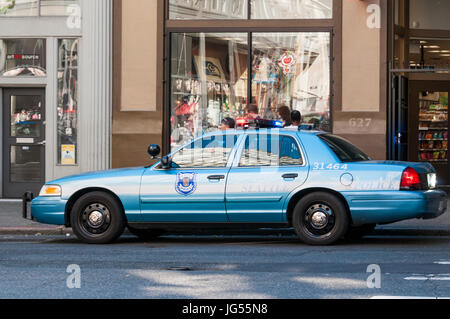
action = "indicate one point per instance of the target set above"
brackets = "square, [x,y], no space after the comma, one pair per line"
[344,150]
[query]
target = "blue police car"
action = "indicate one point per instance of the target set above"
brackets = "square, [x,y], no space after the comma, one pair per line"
[317,183]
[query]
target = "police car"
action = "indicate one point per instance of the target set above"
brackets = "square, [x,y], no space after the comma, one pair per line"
[317,183]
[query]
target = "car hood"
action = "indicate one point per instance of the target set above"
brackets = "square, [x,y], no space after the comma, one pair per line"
[120,172]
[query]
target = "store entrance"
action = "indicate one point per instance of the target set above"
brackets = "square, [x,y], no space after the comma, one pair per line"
[429,126]
[23,141]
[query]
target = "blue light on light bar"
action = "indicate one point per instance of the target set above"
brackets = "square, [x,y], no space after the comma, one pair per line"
[278,124]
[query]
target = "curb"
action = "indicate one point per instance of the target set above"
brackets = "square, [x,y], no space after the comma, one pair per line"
[35,231]
[63,231]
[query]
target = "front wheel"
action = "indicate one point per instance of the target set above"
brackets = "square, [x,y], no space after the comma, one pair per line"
[320,219]
[97,218]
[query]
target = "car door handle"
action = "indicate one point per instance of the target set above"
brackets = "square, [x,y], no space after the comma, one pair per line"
[216,177]
[290,176]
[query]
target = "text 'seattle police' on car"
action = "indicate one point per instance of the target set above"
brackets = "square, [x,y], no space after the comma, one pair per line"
[317,183]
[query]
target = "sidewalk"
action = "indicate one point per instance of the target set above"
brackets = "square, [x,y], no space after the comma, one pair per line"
[12,223]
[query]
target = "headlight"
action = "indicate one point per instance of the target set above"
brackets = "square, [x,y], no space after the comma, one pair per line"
[50,190]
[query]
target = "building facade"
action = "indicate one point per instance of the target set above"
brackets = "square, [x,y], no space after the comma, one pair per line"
[88,85]
[55,90]
[373,71]
[206,60]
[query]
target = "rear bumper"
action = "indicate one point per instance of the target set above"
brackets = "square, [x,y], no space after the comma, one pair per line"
[392,206]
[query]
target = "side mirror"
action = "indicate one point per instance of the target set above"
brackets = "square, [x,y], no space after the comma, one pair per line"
[154,150]
[166,162]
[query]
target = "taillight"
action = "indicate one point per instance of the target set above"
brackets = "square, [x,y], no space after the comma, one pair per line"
[410,180]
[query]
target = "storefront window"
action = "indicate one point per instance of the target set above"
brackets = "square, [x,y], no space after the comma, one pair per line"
[26,8]
[209,72]
[260,9]
[21,8]
[22,57]
[292,9]
[57,7]
[430,14]
[429,53]
[292,71]
[209,75]
[67,102]
[208,9]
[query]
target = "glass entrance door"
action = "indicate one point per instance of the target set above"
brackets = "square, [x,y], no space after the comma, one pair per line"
[23,141]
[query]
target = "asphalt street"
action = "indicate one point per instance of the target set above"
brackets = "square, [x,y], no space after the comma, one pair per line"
[224,267]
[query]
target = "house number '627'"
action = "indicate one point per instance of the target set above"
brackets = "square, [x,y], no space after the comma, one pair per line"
[360,122]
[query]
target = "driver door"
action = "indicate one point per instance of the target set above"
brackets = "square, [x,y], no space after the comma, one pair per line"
[193,190]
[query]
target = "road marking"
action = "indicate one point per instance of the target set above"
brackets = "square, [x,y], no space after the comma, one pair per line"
[408,297]
[441,277]
[442,262]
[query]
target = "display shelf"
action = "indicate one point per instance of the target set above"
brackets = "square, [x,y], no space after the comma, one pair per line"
[432,141]
[433,128]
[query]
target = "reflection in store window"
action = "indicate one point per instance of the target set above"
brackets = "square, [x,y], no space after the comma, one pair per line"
[67,101]
[22,57]
[292,9]
[208,82]
[208,9]
[19,8]
[292,71]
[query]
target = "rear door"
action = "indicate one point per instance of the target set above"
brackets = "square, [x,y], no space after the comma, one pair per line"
[193,190]
[266,169]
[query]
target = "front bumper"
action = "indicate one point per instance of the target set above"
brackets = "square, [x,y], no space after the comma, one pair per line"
[389,207]
[46,210]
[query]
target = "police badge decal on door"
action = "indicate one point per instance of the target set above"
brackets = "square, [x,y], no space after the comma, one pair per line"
[186,183]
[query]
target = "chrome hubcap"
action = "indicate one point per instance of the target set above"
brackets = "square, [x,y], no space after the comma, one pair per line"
[319,220]
[95,218]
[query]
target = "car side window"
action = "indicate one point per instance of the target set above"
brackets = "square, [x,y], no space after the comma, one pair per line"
[289,152]
[270,150]
[211,151]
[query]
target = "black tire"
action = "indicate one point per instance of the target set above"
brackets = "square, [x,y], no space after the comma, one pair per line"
[320,219]
[146,234]
[355,233]
[97,218]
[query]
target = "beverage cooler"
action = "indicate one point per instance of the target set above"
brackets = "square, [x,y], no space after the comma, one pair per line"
[433,129]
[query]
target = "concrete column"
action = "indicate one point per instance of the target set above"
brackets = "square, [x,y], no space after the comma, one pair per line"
[96,85]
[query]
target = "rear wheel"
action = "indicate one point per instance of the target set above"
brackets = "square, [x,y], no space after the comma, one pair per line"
[97,218]
[146,234]
[320,219]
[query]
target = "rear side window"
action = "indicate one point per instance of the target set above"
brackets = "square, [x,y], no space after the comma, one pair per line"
[270,150]
[344,150]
